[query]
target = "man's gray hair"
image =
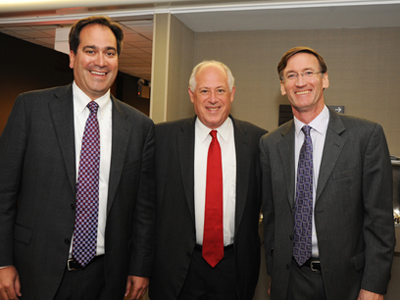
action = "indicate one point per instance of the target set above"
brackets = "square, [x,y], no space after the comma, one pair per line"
[196,69]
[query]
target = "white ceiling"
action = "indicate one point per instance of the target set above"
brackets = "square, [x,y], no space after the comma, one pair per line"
[36,21]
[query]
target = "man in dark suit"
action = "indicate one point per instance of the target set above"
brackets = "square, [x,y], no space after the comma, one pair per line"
[180,267]
[327,194]
[42,175]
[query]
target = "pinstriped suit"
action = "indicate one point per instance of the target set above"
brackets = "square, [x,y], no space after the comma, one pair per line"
[37,170]
[353,209]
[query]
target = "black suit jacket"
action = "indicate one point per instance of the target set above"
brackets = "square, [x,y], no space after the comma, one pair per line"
[38,186]
[353,209]
[176,234]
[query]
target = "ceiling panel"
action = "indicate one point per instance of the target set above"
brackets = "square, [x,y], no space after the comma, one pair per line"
[137,46]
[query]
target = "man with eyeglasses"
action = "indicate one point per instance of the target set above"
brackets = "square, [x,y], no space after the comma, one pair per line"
[327,194]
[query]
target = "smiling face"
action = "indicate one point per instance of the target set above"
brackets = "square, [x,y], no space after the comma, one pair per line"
[95,62]
[305,93]
[211,96]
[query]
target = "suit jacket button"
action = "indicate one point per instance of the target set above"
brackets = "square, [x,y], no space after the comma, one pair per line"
[287,266]
[291,237]
[73,206]
[188,255]
[67,241]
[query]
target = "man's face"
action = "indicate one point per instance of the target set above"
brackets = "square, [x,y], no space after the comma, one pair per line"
[305,93]
[96,62]
[211,96]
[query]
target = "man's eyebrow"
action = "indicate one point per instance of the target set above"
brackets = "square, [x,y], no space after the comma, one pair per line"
[302,70]
[90,47]
[97,48]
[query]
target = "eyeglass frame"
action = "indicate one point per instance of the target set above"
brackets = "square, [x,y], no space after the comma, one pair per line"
[303,75]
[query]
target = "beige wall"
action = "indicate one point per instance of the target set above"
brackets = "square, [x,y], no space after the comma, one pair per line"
[363,68]
[173,57]
[180,67]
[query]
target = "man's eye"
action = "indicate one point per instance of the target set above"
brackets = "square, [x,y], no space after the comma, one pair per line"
[291,75]
[204,91]
[220,91]
[308,73]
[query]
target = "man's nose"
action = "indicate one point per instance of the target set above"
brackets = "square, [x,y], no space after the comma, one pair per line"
[300,81]
[213,97]
[100,60]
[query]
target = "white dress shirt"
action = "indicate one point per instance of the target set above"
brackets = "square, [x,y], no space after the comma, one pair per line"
[318,133]
[104,117]
[226,140]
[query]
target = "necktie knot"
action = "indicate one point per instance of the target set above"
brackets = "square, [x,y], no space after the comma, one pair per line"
[93,106]
[213,134]
[306,130]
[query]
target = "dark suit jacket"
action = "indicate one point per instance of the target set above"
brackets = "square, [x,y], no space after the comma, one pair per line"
[176,234]
[37,166]
[353,209]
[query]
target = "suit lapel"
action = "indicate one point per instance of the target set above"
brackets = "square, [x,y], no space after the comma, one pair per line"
[120,131]
[333,146]
[286,152]
[185,143]
[242,170]
[61,109]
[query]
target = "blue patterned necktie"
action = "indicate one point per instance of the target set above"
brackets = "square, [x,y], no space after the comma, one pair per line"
[87,191]
[304,201]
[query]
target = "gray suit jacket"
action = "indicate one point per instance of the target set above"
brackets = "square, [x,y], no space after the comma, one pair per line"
[38,186]
[353,209]
[176,234]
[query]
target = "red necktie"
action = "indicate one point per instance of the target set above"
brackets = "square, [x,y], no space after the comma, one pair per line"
[213,239]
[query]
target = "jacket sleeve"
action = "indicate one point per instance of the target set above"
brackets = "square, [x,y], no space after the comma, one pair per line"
[267,205]
[143,241]
[378,221]
[13,143]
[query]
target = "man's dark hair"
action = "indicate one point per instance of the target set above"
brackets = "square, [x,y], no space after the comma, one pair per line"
[101,20]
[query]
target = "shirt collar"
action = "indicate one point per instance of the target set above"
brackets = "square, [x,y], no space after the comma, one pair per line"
[203,131]
[81,99]
[319,124]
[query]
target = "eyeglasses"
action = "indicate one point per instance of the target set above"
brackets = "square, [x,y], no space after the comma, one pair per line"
[305,75]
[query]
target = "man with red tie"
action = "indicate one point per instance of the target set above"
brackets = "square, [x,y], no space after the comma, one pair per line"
[208,197]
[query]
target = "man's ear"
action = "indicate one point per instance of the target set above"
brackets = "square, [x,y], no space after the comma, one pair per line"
[283,90]
[71,59]
[233,93]
[191,94]
[325,81]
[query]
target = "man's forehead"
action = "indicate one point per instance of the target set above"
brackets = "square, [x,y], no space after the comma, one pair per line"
[307,61]
[92,31]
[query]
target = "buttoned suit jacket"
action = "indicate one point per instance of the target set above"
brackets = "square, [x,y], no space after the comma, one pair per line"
[353,209]
[176,233]
[38,193]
